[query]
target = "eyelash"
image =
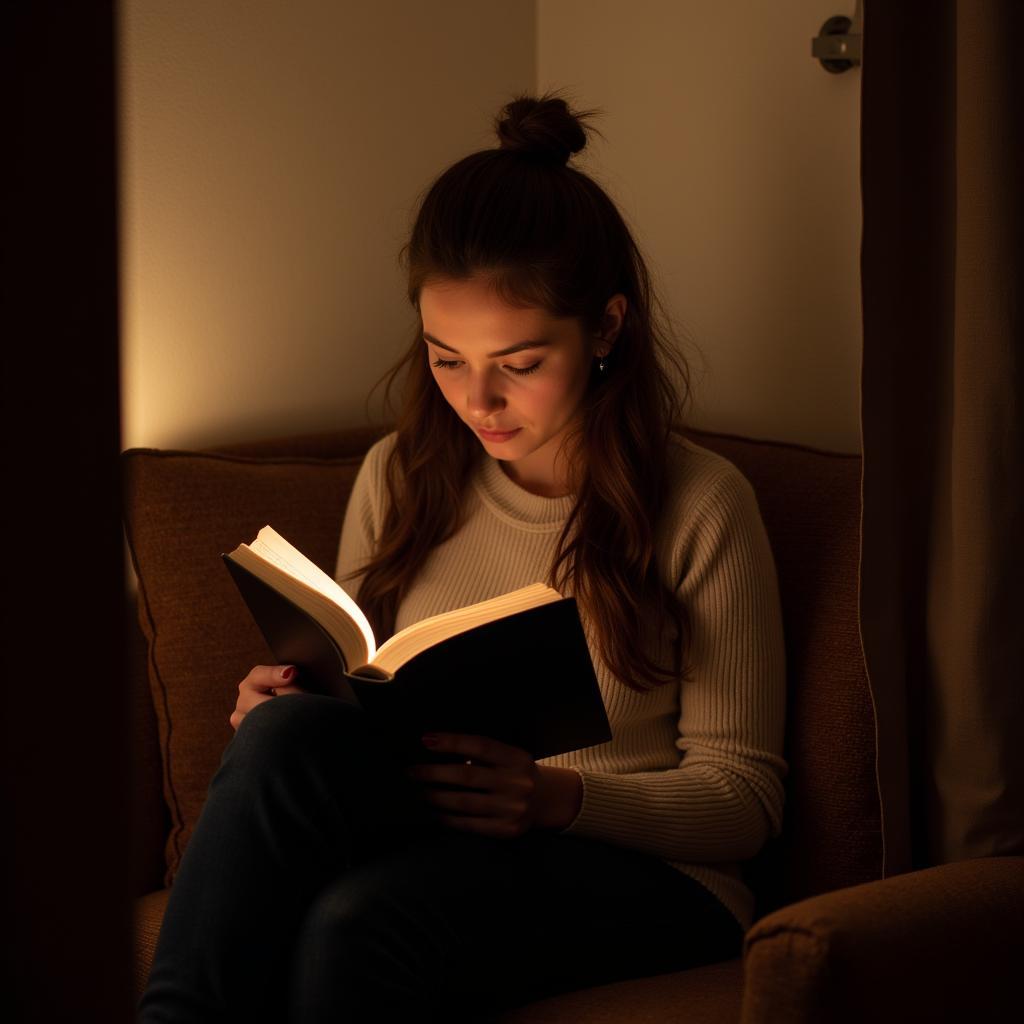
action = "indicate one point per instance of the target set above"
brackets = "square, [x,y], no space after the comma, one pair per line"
[451,364]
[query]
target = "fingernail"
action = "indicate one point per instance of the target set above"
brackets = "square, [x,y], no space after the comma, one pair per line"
[287,673]
[430,739]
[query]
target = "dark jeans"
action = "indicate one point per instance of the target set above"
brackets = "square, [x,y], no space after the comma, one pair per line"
[316,887]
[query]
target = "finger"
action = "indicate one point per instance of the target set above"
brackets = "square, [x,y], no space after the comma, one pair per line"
[283,691]
[477,805]
[247,700]
[478,748]
[476,777]
[472,777]
[266,677]
[262,675]
[241,710]
[484,826]
[261,697]
[250,696]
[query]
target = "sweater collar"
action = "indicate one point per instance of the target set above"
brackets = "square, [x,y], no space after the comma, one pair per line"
[509,500]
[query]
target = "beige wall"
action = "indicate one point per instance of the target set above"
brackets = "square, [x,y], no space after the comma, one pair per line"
[735,156]
[273,154]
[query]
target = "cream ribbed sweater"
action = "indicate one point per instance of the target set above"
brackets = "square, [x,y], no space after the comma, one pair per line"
[693,772]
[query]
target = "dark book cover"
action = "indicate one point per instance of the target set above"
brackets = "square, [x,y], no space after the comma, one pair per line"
[526,679]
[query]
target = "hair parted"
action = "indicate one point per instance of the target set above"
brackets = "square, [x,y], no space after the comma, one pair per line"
[545,235]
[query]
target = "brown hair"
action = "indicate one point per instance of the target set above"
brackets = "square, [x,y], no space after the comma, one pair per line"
[545,235]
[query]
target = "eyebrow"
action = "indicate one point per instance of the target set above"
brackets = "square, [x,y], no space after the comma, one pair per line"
[539,343]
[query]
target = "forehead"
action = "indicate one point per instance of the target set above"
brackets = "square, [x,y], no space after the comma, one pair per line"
[468,310]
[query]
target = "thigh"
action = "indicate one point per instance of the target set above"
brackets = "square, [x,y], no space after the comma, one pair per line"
[313,762]
[516,920]
[583,912]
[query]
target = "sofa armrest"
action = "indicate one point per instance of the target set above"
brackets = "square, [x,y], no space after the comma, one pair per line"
[942,943]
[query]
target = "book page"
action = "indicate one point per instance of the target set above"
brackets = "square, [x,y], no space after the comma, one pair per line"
[405,645]
[271,547]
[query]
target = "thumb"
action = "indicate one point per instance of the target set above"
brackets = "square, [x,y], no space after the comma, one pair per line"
[283,691]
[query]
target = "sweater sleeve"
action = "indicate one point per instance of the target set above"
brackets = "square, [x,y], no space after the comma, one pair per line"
[725,797]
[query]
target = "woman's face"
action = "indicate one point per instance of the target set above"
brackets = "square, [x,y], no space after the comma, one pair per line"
[515,377]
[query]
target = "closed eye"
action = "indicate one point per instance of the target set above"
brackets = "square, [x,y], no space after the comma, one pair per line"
[452,364]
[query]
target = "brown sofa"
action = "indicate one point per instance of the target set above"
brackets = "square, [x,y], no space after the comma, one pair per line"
[832,942]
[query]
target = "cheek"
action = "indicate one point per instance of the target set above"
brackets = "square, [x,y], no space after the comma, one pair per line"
[557,397]
[446,384]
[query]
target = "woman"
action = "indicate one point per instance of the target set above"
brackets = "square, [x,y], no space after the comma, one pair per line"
[329,878]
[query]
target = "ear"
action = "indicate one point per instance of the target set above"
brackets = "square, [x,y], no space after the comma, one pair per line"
[611,324]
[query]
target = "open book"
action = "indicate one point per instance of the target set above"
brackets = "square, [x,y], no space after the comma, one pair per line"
[516,667]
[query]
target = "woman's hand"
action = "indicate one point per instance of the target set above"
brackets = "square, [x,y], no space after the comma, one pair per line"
[507,793]
[263,683]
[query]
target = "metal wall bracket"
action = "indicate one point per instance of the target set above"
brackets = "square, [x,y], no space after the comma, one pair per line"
[838,45]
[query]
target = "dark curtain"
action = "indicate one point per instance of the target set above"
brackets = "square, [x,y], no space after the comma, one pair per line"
[942,573]
[63,757]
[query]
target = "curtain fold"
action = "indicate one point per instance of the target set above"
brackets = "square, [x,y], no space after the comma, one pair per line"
[942,554]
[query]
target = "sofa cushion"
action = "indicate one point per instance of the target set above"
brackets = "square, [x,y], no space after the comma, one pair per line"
[147,917]
[701,995]
[810,503]
[181,510]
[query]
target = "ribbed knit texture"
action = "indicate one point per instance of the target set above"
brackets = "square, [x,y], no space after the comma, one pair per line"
[693,772]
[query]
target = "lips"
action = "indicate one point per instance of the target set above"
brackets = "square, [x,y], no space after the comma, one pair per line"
[497,435]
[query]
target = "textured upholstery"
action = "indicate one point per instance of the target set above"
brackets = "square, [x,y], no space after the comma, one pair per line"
[940,944]
[182,509]
[148,913]
[810,503]
[705,995]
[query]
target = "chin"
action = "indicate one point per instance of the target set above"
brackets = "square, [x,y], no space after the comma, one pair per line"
[515,448]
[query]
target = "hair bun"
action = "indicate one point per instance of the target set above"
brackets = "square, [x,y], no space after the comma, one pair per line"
[542,127]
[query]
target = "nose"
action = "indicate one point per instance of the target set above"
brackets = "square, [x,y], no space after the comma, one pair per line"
[483,396]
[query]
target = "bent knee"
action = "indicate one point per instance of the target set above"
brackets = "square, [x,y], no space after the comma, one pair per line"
[357,909]
[276,727]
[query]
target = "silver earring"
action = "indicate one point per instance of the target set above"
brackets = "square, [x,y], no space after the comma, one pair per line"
[601,367]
